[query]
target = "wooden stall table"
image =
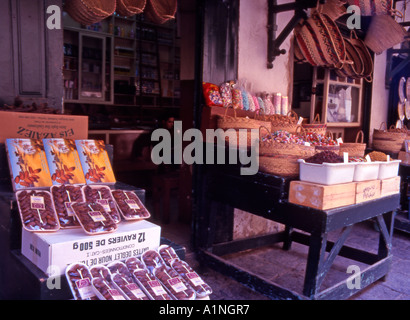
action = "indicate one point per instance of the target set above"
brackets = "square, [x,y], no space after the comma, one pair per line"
[223,188]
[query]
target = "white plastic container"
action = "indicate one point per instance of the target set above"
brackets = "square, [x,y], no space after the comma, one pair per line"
[388,169]
[326,173]
[365,171]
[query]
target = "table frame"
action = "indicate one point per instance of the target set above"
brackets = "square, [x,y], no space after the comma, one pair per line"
[223,189]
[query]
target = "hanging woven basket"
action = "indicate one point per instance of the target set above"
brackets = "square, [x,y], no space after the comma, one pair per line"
[354,70]
[129,8]
[161,11]
[374,7]
[88,12]
[364,55]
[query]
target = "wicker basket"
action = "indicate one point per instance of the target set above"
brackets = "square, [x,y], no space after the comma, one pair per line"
[129,8]
[287,123]
[315,126]
[387,140]
[282,158]
[228,122]
[88,12]
[354,149]
[160,11]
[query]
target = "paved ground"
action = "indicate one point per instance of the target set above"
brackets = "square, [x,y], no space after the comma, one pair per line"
[287,268]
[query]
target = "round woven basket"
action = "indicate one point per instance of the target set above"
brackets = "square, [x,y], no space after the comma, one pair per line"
[364,55]
[160,11]
[373,7]
[315,126]
[282,158]
[354,149]
[226,122]
[129,8]
[354,70]
[88,12]
[278,122]
[388,141]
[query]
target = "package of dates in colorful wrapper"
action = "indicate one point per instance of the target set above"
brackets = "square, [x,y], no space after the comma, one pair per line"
[151,260]
[201,289]
[63,161]
[64,196]
[131,207]
[95,162]
[134,264]
[93,218]
[28,164]
[102,195]
[174,283]
[37,211]
[124,282]
[79,280]
[212,95]
[105,290]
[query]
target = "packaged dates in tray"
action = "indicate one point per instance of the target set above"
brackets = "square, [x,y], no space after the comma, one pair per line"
[174,283]
[102,195]
[63,197]
[37,211]
[79,280]
[152,287]
[93,218]
[130,205]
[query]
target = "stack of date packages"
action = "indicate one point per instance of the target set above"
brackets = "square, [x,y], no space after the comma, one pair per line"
[156,275]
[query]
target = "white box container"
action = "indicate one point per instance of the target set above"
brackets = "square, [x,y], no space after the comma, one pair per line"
[365,171]
[54,251]
[388,169]
[326,173]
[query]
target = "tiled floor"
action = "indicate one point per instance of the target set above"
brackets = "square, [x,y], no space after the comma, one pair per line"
[287,268]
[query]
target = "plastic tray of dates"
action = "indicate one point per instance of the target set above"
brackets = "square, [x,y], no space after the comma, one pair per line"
[174,283]
[102,195]
[93,218]
[124,282]
[151,260]
[189,275]
[130,205]
[133,264]
[152,287]
[105,290]
[167,254]
[37,211]
[79,280]
[63,197]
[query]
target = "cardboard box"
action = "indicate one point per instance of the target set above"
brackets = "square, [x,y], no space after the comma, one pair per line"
[322,197]
[54,251]
[390,186]
[28,164]
[42,126]
[367,190]
[63,161]
[95,162]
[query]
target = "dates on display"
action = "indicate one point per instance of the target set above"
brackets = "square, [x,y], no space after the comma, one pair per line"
[129,288]
[103,196]
[174,283]
[151,285]
[37,211]
[167,254]
[133,264]
[189,275]
[79,279]
[93,218]
[105,290]
[130,205]
[100,271]
[151,260]
[63,197]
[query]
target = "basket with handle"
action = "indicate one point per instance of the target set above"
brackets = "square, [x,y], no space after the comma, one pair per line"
[354,149]
[279,122]
[160,11]
[226,122]
[315,126]
[129,8]
[88,12]
[281,158]
[388,141]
